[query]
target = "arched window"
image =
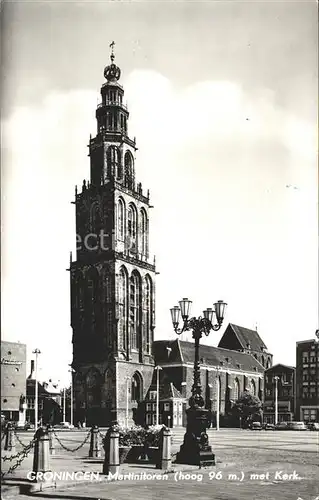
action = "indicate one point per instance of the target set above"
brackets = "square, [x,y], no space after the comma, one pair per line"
[144,233]
[93,388]
[218,387]
[129,170]
[236,389]
[147,313]
[95,218]
[92,301]
[262,360]
[113,158]
[134,309]
[136,388]
[253,387]
[122,324]
[121,219]
[268,363]
[132,227]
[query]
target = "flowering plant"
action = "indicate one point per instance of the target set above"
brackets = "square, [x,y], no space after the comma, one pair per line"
[139,436]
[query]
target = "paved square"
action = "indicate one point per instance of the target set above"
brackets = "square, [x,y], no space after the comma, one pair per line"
[251,465]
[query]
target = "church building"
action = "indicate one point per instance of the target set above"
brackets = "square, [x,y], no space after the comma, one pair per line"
[112,278]
[113,299]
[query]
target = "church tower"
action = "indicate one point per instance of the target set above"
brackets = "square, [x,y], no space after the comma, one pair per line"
[112,278]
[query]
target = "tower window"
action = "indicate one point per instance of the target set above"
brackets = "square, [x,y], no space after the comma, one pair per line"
[147,324]
[144,233]
[122,283]
[134,309]
[113,161]
[128,170]
[132,227]
[121,220]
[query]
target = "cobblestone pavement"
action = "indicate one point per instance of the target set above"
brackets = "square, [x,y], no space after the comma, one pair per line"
[250,466]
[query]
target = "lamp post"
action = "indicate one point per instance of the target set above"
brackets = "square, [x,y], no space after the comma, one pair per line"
[195,449]
[36,352]
[127,398]
[276,399]
[64,404]
[158,368]
[218,398]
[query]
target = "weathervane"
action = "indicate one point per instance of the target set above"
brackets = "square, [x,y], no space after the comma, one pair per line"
[112,44]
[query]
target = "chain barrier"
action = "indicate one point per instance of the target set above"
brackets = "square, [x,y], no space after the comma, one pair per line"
[22,455]
[69,449]
[102,436]
[19,440]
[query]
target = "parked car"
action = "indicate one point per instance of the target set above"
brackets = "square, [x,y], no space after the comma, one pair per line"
[269,427]
[25,427]
[297,426]
[282,426]
[313,426]
[255,426]
[64,425]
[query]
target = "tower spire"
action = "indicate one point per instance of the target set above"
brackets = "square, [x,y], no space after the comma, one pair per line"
[112,56]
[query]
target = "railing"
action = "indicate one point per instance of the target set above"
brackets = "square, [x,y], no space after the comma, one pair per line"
[112,103]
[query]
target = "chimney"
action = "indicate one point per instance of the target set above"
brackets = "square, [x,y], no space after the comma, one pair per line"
[32,374]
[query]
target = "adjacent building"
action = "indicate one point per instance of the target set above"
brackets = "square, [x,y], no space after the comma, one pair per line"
[307,381]
[280,378]
[49,400]
[233,371]
[13,381]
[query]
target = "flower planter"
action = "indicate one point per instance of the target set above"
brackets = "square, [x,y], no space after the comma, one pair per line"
[135,452]
[153,453]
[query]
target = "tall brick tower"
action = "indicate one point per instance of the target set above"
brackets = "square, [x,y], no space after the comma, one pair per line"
[112,279]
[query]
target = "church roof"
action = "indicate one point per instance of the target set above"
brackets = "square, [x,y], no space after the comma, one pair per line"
[178,351]
[248,339]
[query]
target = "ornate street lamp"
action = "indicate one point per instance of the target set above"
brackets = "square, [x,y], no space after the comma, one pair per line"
[195,449]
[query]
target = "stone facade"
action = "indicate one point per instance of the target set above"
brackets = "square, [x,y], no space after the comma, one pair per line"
[307,381]
[13,380]
[113,277]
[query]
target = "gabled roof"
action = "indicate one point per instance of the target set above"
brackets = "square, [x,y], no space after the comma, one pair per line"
[275,367]
[248,339]
[184,352]
[167,389]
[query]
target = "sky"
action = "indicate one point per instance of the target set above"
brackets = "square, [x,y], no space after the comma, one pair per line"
[223,103]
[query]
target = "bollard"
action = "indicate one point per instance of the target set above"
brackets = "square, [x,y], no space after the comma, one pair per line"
[111,463]
[10,442]
[95,447]
[51,440]
[41,451]
[165,449]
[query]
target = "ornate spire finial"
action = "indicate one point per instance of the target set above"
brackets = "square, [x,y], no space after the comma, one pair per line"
[112,72]
[112,56]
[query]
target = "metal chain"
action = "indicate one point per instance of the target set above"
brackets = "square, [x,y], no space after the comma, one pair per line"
[23,454]
[12,457]
[102,436]
[69,449]
[19,440]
